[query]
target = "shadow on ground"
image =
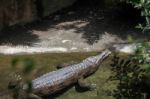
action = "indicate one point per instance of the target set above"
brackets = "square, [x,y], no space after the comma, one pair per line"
[17,35]
[58,94]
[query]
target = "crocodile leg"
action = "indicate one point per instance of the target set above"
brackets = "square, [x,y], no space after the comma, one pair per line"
[59,66]
[33,96]
[84,86]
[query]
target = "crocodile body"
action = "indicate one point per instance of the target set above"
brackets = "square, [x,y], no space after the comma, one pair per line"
[56,81]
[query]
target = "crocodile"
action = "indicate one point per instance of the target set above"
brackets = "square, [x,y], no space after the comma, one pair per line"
[55,81]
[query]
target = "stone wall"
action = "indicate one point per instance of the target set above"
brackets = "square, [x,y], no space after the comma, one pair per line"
[16,11]
[23,11]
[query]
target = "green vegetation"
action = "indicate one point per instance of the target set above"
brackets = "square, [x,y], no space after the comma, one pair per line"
[144,6]
[143,57]
[132,82]
[133,75]
[17,81]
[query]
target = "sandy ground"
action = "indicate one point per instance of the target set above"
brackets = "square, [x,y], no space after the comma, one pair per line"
[73,30]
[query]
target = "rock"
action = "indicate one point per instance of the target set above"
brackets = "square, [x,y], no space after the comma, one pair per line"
[51,6]
[71,13]
[57,17]
[125,48]
[16,11]
[24,11]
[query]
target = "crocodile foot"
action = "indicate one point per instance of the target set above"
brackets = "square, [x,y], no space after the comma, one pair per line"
[33,96]
[84,86]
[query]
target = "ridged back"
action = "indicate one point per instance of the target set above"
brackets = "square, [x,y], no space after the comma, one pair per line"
[61,75]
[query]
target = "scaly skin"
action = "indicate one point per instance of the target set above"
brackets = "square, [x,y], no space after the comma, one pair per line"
[57,80]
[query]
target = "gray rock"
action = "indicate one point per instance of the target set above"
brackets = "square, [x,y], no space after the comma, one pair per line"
[51,6]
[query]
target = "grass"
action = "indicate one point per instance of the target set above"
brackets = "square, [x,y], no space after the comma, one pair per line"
[47,62]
